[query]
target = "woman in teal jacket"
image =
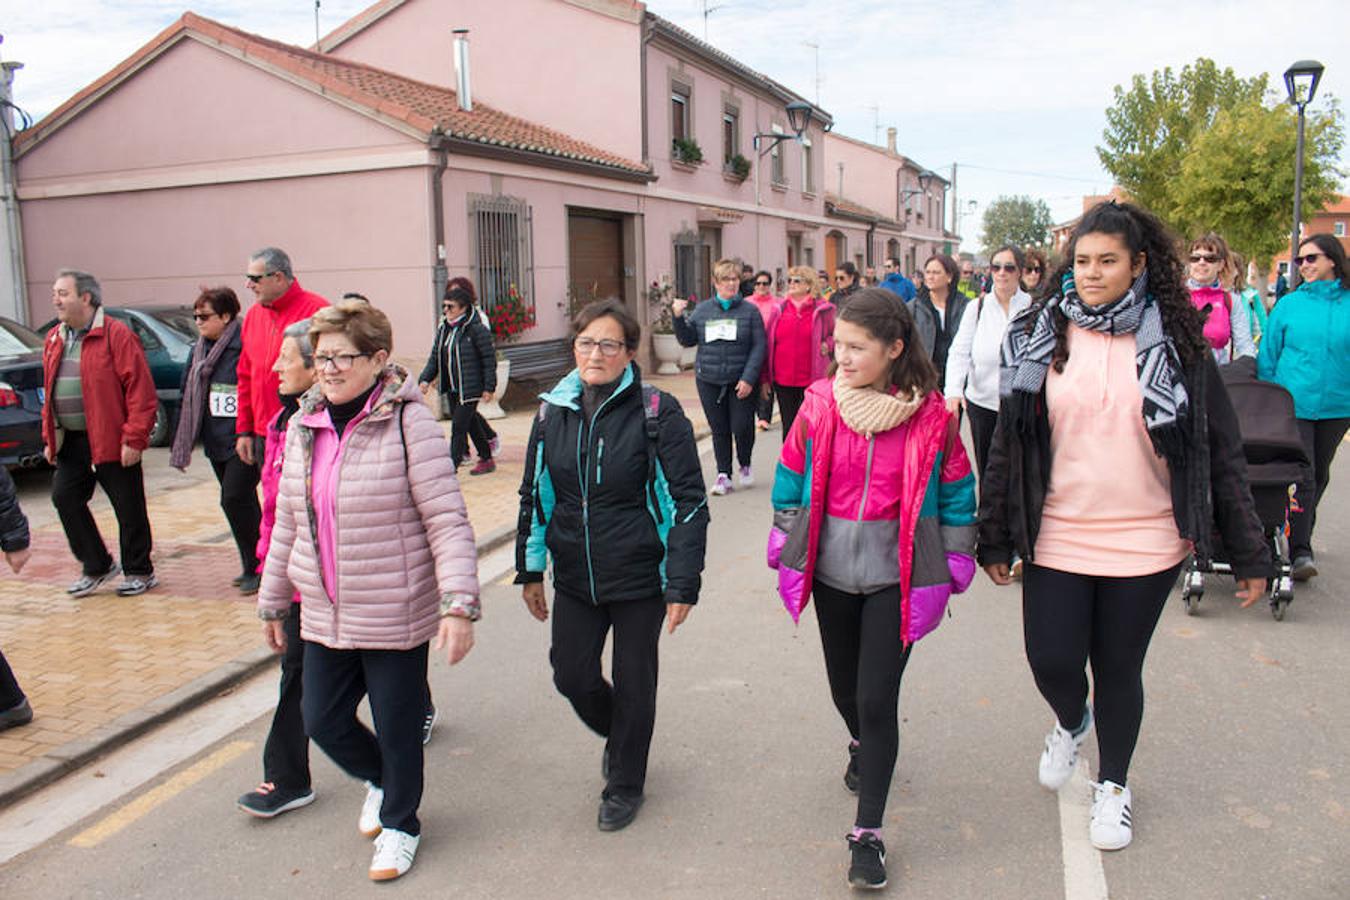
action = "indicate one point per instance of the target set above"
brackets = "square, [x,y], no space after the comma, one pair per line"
[1306,348]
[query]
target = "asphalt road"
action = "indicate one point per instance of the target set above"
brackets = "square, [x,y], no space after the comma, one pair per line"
[1240,780]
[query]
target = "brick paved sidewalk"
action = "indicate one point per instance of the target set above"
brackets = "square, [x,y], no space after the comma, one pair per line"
[104,669]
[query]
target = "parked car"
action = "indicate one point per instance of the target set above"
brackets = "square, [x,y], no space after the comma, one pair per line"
[167,334]
[21,395]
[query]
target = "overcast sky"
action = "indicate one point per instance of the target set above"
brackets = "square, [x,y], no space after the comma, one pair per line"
[1013,91]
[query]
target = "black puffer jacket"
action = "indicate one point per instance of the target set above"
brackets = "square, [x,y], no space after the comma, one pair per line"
[463,359]
[217,433]
[13,523]
[617,527]
[724,361]
[1209,492]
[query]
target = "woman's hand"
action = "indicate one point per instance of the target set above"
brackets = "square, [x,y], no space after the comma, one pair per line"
[743,390]
[678,306]
[487,396]
[676,613]
[998,573]
[533,593]
[456,636]
[953,404]
[274,632]
[17,559]
[1250,590]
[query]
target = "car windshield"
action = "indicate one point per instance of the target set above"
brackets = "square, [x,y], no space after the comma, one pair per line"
[16,340]
[180,320]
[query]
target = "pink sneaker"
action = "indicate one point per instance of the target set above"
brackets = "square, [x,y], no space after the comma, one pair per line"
[722,485]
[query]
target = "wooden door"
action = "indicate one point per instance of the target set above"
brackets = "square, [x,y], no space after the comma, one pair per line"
[595,257]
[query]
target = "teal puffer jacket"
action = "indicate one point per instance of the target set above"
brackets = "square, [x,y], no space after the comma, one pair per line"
[1306,348]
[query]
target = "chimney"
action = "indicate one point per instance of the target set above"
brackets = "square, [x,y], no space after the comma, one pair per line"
[890,140]
[462,69]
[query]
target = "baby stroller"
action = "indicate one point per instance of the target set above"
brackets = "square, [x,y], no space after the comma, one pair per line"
[1277,466]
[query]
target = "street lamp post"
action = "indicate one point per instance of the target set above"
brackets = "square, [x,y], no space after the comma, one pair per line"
[1300,80]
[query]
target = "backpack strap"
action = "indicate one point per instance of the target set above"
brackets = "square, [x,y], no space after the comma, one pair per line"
[651,410]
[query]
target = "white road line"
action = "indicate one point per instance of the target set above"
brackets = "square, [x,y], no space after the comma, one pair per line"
[42,816]
[1084,878]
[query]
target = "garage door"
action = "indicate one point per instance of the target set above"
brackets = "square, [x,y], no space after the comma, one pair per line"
[595,257]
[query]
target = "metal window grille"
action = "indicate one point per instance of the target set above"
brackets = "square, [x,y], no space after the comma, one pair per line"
[500,229]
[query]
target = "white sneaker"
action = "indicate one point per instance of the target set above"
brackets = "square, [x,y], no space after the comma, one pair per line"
[745,477]
[369,823]
[1060,755]
[1111,827]
[394,852]
[722,486]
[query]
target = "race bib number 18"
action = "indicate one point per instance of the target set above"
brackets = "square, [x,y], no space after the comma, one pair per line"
[224,401]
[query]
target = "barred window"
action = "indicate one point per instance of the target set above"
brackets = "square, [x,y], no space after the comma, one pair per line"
[501,234]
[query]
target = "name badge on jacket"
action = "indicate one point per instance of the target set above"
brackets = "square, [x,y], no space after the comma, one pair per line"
[719,330]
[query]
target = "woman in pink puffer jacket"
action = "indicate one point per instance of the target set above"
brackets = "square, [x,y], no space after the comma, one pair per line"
[372,531]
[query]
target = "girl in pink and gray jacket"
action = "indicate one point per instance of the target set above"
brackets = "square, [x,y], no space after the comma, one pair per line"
[371,529]
[874,517]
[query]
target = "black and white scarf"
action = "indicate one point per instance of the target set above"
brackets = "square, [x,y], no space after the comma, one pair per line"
[1025,360]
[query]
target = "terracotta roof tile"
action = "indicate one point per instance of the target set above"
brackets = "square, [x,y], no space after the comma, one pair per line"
[420,105]
[835,203]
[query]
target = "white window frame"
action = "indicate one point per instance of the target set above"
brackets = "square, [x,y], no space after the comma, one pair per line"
[808,183]
[777,173]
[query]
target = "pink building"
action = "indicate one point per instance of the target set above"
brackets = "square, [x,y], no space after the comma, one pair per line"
[598,149]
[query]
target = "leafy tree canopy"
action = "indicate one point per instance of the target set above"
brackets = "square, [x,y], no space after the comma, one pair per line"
[1016,220]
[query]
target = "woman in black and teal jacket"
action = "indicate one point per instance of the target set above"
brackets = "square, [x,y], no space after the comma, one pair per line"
[614,494]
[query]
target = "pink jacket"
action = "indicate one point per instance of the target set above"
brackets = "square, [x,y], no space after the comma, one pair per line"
[822,331]
[401,544]
[919,467]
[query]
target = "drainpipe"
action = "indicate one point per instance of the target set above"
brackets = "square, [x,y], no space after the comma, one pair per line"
[439,273]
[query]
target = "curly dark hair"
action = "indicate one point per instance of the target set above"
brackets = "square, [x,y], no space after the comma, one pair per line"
[1142,232]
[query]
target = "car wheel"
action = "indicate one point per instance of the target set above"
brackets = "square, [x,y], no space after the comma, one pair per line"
[159,434]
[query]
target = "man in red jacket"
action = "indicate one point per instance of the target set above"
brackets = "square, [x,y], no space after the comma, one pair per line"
[96,419]
[281,301]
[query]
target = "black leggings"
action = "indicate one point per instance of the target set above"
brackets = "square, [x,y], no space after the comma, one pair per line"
[1069,620]
[864,660]
[1321,437]
[982,422]
[728,416]
[466,423]
[789,404]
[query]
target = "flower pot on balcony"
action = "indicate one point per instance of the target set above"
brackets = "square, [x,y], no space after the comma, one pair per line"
[666,349]
[494,409]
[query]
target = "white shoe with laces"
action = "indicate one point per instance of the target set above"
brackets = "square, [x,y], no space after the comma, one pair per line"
[369,823]
[1111,827]
[394,853]
[746,477]
[722,486]
[1060,755]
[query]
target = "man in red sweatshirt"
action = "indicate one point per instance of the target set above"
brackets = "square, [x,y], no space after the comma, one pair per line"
[281,301]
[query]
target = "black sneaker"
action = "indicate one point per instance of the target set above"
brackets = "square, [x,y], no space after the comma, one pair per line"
[868,871]
[428,723]
[270,801]
[248,584]
[238,578]
[20,713]
[851,776]
[1304,569]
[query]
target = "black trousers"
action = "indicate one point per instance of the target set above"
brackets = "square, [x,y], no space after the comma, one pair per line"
[1071,620]
[239,501]
[391,758]
[982,422]
[10,693]
[286,752]
[1321,437]
[73,486]
[789,404]
[763,405]
[623,713]
[467,423]
[864,661]
[728,416]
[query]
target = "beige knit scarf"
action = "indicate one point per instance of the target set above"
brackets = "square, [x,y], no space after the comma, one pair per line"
[868,411]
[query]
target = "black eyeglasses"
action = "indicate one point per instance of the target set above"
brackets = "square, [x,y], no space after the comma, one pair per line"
[1311,257]
[586,346]
[254,279]
[342,362]
[1205,257]
[1003,267]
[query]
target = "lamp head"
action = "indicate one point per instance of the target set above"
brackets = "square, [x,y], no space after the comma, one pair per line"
[1301,80]
[799,117]
[925,179]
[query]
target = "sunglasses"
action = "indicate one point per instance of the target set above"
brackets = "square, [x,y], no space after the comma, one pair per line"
[1003,267]
[1033,269]
[1205,257]
[202,317]
[254,279]
[762,284]
[1310,258]
[795,280]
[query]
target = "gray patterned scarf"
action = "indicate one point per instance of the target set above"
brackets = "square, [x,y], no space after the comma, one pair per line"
[1025,360]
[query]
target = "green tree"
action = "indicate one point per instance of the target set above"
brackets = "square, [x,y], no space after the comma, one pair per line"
[1238,176]
[1151,126]
[1016,220]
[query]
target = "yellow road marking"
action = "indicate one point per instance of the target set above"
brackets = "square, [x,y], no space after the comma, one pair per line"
[97,834]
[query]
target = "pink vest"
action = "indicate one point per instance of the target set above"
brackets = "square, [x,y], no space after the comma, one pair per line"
[1218,323]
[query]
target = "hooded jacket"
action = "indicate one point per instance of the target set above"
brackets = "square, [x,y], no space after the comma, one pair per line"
[402,545]
[721,360]
[617,524]
[919,465]
[115,381]
[1306,348]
